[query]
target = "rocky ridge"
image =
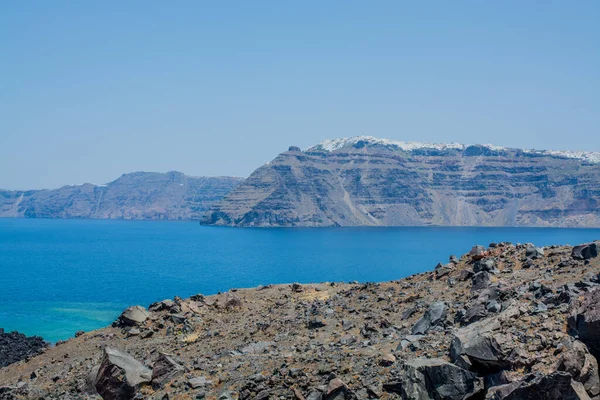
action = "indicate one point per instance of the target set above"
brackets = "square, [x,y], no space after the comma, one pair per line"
[365,181]
[138,195]
[501,322]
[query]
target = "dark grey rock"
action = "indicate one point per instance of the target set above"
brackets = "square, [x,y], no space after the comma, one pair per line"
[585,251]
[481,280]
[316,323]
[487,349]
[16,346]
[464,275]
[463,362]
[442,270]
[556,386]
[120,375]
[408,313]
[488,264]
[165,369]
[494,307]
[585,321]
[409,341]
[434,378]
[497,379]
[434,316]
[178,319]
[534,252]
[581,365]
[167,305]
[473,314]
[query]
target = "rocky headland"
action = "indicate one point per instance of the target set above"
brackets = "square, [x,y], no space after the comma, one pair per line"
[367,181]
[15,346]
[501,322]
[138,195]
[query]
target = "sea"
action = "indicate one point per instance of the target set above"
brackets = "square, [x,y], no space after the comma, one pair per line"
[61,276]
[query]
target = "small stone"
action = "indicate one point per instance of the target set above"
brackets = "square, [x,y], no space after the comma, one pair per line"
[387,360]
[315,323]
[494,306]
[199,382]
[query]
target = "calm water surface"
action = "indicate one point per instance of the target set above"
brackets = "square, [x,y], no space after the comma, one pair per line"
[59,276]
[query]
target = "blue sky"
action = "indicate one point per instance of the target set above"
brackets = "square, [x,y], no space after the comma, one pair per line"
[90,90]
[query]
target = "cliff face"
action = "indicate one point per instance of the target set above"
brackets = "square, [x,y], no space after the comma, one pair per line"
[139,195]
[375,182]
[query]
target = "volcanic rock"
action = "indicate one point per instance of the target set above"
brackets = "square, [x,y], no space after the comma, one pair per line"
[165,369]
[120,375]
[581,365]
[16,346]
[556,386]
[436,379]
[133,316]
[585,321]
[434,316]
[585,251]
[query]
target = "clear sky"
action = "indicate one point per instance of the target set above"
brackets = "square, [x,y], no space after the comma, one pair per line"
[90,90]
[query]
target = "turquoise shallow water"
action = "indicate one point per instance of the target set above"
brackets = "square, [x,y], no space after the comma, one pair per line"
[60,276]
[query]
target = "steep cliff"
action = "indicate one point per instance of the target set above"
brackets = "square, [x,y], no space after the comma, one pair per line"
[139,195]
[377,182]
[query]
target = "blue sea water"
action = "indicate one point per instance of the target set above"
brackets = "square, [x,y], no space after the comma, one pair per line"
[60,276]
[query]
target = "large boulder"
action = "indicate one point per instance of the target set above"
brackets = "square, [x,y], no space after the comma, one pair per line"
[585,321]
[585,251]
[435,379]
[556,386]
[434,316]
[487,348]
[120,375]
[581,365]
[133,316]
[165,369]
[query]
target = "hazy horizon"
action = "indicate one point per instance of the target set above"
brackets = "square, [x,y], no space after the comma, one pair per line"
[92,91]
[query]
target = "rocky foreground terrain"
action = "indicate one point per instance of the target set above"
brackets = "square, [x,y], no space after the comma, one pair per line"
[501,322]
[366,181]
[139,195]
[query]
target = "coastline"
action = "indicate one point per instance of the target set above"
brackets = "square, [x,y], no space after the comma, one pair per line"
[366,336]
